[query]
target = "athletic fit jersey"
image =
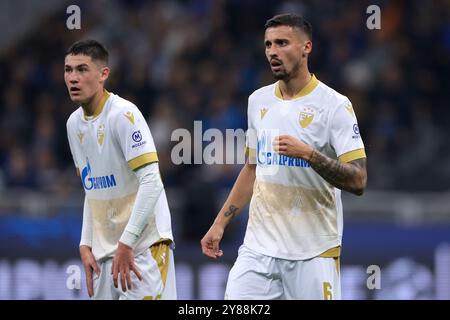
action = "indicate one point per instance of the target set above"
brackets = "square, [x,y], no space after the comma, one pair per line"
[294,213]
[106,149]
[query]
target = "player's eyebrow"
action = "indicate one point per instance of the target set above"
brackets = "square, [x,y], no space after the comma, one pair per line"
[276,40]
[281,40]
[77,66]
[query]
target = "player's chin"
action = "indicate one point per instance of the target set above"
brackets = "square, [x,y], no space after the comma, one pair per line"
[76,98]
[280,75]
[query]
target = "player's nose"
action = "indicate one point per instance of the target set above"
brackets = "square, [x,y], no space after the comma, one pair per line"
[73,80]
[272,53]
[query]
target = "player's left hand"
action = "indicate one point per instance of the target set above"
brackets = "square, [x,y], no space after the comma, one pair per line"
[292,147]
[122,265]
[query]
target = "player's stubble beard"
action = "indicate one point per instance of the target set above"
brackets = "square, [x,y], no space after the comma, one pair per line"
[285,75]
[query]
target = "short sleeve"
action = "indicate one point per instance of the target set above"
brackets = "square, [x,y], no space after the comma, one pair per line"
[135,139]
[345,136]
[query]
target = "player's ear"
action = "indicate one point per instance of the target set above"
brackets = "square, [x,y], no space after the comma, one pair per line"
[104,74]
[307,48]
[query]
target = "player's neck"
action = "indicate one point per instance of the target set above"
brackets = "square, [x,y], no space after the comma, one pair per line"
[290,88]
[91,106]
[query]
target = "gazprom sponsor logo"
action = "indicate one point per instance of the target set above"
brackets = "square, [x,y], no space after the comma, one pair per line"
[267,156]
[101,182]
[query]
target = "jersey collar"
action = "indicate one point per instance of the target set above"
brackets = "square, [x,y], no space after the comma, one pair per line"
[100,106]
[312,84]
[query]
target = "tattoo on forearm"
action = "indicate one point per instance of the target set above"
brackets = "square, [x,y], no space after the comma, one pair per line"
[341,175]
[232,211]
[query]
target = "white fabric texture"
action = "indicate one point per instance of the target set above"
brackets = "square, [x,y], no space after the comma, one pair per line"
[86,229]
[150,286]
[150,188]
[256,276]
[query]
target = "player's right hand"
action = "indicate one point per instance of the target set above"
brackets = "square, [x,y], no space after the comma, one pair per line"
[90,265]
[211,240]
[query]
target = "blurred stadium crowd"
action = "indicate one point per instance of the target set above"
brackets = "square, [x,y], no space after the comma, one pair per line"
[181,61]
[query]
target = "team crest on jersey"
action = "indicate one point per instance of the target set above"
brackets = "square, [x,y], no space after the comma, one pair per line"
[100,134]
[306,117]
[350,110]
[130,116]
[80,136]
[263,112]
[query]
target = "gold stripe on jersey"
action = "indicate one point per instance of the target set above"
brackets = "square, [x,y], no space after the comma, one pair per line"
[100,106]
[352,155]
[161,254]
[143,159]
[312,84]
[78,172]
[338,264]
[331,253]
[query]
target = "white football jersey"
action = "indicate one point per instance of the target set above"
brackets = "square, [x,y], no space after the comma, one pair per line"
[106,149]
[294,213]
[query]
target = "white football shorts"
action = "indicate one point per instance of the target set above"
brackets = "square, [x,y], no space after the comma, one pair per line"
[255,276]
[157,269]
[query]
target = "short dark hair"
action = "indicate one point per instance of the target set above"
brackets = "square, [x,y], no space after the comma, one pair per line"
[90,48]
[292,20]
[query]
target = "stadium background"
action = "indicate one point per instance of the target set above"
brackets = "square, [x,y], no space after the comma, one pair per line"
[181,61]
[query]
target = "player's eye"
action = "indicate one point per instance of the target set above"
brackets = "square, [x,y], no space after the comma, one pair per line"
[282,43]
[267,44]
